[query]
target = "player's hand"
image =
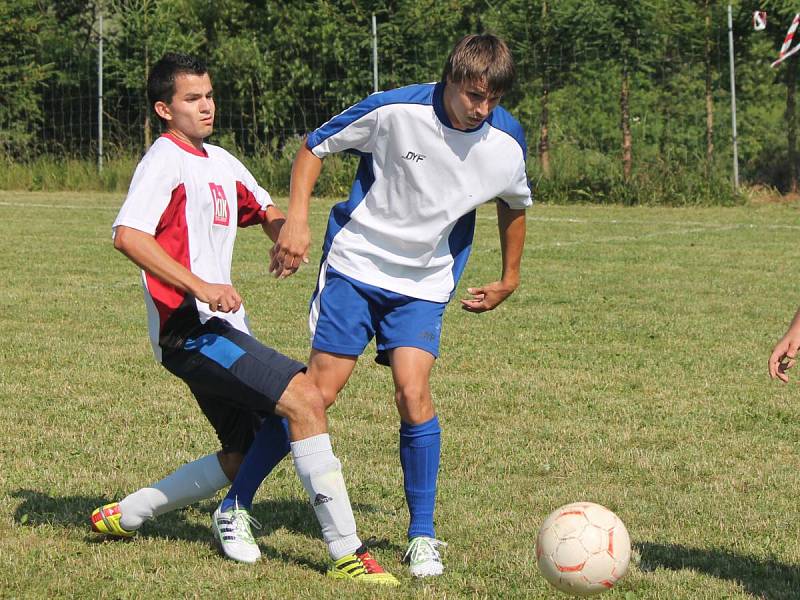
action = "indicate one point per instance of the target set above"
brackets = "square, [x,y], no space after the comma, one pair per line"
[784,357]
[290,249]
[487,297]
[220,297]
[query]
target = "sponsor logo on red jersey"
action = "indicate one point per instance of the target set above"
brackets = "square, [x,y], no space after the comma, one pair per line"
[221,213]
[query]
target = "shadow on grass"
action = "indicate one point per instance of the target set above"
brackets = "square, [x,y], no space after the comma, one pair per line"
[297,516]
[767,579]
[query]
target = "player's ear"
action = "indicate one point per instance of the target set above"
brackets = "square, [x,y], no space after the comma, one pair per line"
[162,110]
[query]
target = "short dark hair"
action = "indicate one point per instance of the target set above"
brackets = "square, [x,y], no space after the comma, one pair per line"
[161,79]
[481,57]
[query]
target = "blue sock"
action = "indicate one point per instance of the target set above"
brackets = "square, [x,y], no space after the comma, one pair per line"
[269,447]
[420,446]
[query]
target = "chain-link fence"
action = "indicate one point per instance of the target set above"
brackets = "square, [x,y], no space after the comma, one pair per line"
[582,94]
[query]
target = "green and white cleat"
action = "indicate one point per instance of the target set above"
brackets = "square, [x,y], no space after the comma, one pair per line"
[232,531]
[423,557]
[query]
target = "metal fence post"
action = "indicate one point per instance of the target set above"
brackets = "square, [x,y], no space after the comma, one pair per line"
[733,102]
[100,93]
[374,53]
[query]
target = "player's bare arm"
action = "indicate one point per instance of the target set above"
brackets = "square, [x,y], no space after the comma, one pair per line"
[784,354]
[511,224]
[274,222]
[142,249]
[291,248]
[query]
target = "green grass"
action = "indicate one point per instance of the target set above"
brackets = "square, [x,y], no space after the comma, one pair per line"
[629,369]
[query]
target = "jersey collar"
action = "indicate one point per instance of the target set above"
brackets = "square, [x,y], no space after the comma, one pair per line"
[184,146]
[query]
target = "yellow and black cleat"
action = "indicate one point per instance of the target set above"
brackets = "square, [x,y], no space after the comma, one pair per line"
[106,520]
[360,566]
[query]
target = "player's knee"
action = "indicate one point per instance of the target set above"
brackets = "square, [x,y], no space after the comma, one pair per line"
[411,394]
[414,403]
[328,396]
[303,402]
[230,462]
[329,391]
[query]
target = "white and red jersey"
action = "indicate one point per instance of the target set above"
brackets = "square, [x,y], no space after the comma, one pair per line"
[191,201]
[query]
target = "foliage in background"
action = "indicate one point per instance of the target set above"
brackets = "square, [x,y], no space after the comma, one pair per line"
[643,84]
[22,71]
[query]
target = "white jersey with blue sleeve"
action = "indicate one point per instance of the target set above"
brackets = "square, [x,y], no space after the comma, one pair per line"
[408,224]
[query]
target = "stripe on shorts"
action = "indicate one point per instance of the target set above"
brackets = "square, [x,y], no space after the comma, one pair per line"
[313,313]
[216,347]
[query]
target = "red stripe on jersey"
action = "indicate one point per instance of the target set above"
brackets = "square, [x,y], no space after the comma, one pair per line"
[172,234]
[184,146]
[250,211]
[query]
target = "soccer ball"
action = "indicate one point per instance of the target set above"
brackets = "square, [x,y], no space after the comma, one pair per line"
[583,548]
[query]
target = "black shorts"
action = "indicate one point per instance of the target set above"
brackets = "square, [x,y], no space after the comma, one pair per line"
[236,379]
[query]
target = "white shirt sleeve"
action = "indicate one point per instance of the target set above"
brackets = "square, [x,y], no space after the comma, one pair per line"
[518,194]
[154,181]
[354,129]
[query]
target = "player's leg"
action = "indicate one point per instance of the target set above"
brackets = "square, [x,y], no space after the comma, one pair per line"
[262,380]
[408,336]
[420,448]
[226,368]
[190,483]
[340,321]
[270,446]
[321,475]
[264,440]
[330,372]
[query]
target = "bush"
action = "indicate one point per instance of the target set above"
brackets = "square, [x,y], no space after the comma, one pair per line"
[590,177]
[578,176]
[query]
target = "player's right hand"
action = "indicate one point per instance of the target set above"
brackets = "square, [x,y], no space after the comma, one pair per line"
[783,357]
[220,297]
[290,250]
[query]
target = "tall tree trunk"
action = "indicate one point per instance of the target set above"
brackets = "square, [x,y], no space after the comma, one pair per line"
[709,94]
[256,137]
[625,124]
[791,122]
[544,135]
[148,135]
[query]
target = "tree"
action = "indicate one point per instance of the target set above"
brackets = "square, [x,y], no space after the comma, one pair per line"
[143,30]
[22,72]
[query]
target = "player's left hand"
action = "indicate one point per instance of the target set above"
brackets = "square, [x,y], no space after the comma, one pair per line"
[290,249]
[487,297]
[784,357]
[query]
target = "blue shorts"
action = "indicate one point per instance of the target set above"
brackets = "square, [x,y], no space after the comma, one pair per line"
[346,314]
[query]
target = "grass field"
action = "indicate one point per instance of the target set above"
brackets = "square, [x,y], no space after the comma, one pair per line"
[629,369]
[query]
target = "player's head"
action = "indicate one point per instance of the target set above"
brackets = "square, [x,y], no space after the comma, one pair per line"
[179,90]
[478,72]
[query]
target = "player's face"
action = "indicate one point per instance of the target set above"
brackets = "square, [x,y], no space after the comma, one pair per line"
[190,115]
[469,103]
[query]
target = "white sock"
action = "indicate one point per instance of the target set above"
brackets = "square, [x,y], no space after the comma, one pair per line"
[193,481]
[321,474]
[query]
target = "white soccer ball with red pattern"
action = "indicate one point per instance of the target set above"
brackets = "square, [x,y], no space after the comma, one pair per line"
[583,549]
